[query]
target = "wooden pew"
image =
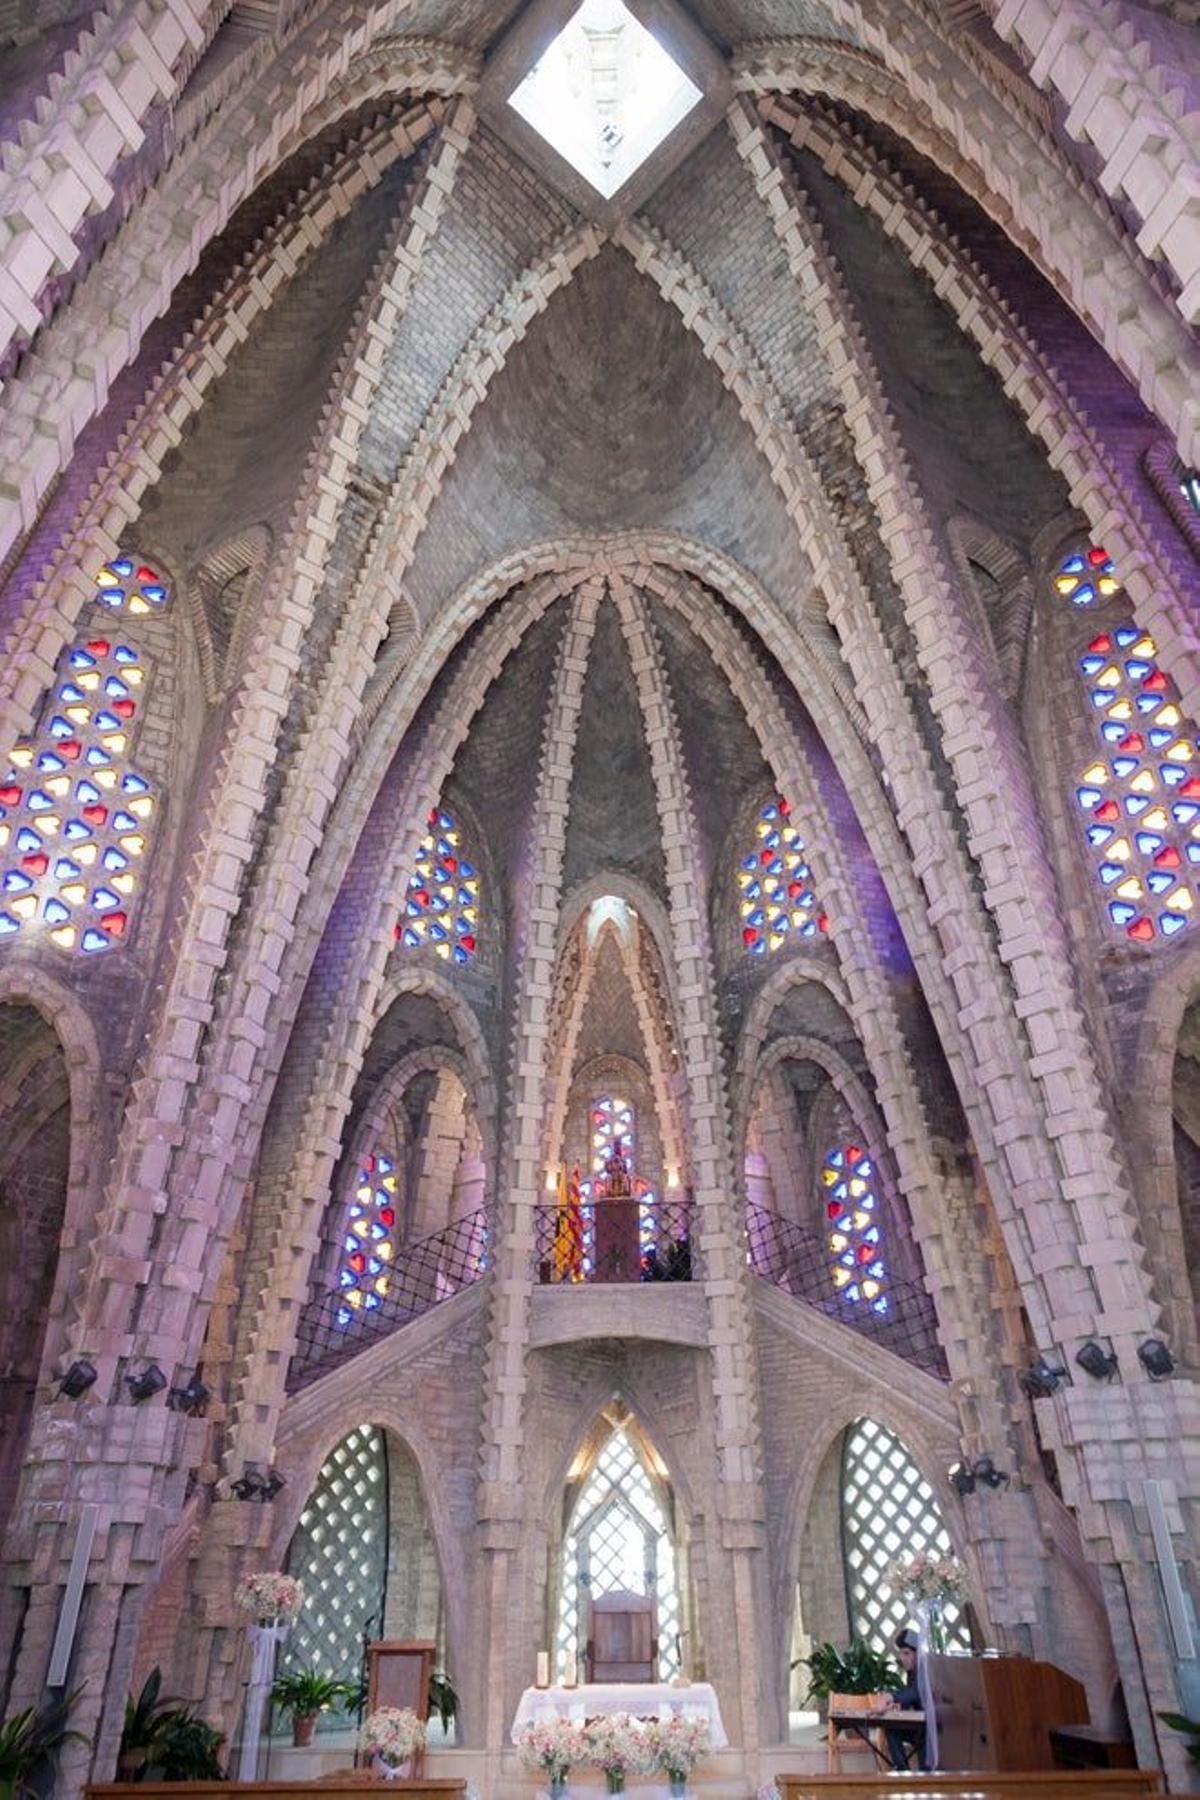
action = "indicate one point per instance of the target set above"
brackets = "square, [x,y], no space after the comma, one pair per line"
[312,1787]
[1059,1784]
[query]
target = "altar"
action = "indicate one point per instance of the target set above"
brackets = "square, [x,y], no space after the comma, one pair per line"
[640,1699]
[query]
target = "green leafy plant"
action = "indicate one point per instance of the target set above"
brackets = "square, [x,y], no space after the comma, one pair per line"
[855,1670]
[163,1740]
[305,1693]
[1190,1729]
[443,1698]
[27,1742]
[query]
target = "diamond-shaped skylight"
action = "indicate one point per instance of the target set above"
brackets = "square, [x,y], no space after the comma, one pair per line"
[604,94]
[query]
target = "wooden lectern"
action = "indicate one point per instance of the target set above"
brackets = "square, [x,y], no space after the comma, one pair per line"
[998,1712]
[398,1675]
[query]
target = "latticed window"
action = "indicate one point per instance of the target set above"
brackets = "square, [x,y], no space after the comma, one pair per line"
[339,1553]
[75,813]
[441,903]
[370,1241]
[619,1538]
[888,1510]
[1141,797]
[855,1242]
[775,892]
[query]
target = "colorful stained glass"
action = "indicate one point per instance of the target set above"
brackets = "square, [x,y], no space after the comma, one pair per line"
[1141,798]
[370,1242]
[612,1120]
[127,585]
[74,815]
[1087,576]
[855,1244]
[775,891]
[441,905]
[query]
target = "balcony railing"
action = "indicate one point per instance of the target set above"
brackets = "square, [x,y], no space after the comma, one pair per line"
[615,1240]
[335,1326]
[796,1260]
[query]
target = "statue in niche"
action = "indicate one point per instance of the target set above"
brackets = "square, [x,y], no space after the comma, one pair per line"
[618,1247]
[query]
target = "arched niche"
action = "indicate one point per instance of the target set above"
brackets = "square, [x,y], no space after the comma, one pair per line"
[365,1551]
[1185,1125]
[621,1526]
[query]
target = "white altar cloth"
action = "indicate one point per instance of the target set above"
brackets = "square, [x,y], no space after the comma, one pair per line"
[642,1699]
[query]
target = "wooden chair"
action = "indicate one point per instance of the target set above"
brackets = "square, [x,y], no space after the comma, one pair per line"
[398,1675]
[622,1638]
[865,1735]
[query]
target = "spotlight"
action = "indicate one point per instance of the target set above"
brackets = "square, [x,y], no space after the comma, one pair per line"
[1096,1362]
[1042,1379]
[273,1484]
[151,1381]
[191,1399]
[249,1484]
[961,1478]
[985,1470]
[78,1379]
[1156,1359]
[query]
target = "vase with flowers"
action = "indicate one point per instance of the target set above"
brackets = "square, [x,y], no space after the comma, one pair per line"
[553,1745]
[393,1735]
[928,1583]
[618,1745]
[271,1600]
[677,1743]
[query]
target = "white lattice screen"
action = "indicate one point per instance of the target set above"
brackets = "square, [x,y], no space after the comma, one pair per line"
[339,1552]
[888,1509]
[619,1537]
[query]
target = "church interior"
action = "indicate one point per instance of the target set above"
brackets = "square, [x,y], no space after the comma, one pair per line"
[599,878]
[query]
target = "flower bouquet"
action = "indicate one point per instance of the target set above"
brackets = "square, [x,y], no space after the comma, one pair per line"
[393,1734]
[928,1583]
[270,1598]
[619,1746]
[677,1744]
[552,1744]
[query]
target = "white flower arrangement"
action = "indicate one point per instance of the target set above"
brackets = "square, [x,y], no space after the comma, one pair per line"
[924,1578]
[270,1597]
[553,1744]
[393,1733]
[617,1744]
[678,1743]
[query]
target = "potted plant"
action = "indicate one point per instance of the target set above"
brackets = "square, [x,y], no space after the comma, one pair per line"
[163,1740]
[553,1744]
[443,1698]
[28,1740]
[394,1735]
[305,1694]
[856,1671]
[677,1744]
[1190,1729]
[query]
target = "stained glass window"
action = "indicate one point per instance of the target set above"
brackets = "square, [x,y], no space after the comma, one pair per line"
[74,812]
[339,1553]
[855,1244]
[1141,800]
[370,1242]
[619,1537]
[441,906]
[775,891]
[126,585]
[888,1510]
[1086,576]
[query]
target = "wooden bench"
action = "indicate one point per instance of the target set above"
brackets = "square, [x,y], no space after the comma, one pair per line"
[1057,1784]
[311,1787]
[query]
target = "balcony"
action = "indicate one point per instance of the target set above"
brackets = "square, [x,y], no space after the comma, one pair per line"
[615,1241]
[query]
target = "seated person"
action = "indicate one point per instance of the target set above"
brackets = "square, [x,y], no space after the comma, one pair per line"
[901,1737]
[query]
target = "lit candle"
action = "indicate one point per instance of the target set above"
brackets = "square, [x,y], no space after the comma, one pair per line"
[543,1669]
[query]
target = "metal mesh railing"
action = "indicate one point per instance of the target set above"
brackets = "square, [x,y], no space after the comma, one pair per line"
[615,1240]
[420,1276]
[797,1261]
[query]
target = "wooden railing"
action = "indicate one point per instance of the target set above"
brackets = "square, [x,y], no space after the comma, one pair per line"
[1064,1784]
[311,1787]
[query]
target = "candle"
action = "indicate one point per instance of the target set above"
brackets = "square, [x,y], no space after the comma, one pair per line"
[543,1669]
[569,1670]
